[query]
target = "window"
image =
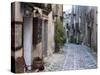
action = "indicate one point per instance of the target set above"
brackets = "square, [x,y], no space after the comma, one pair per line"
[16,35]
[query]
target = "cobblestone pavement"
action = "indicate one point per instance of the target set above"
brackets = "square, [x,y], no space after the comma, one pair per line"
[74,57]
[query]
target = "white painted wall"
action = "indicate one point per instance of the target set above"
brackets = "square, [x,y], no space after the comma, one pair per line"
[28,41]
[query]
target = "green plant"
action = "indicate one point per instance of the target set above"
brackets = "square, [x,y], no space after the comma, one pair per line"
[59,34]
[94,48]
[72,39]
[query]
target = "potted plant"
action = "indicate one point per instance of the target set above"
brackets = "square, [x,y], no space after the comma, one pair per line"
[38,64]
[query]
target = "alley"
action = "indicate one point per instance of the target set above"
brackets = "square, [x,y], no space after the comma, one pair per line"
[74,57]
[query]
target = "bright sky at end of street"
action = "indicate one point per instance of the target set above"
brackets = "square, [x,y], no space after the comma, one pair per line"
[67,7]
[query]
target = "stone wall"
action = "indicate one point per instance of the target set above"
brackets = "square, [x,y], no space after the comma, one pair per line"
[50,34]
[16,29]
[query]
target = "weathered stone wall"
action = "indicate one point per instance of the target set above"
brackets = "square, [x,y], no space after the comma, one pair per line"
[94,31]
[18,35]
[50,34]
[37,51]
[16,27]
[88,24]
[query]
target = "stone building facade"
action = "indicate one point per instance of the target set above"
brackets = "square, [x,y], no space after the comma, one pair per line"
[83,25]
[32,31]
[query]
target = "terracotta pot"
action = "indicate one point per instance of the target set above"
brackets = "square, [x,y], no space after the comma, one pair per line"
[38,64]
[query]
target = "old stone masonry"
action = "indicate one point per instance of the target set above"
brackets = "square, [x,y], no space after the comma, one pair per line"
[74,57]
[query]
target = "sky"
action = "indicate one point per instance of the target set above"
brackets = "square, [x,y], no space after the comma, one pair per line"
[67,8]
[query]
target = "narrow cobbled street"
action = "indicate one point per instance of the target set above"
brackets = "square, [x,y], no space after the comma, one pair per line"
[74,57]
